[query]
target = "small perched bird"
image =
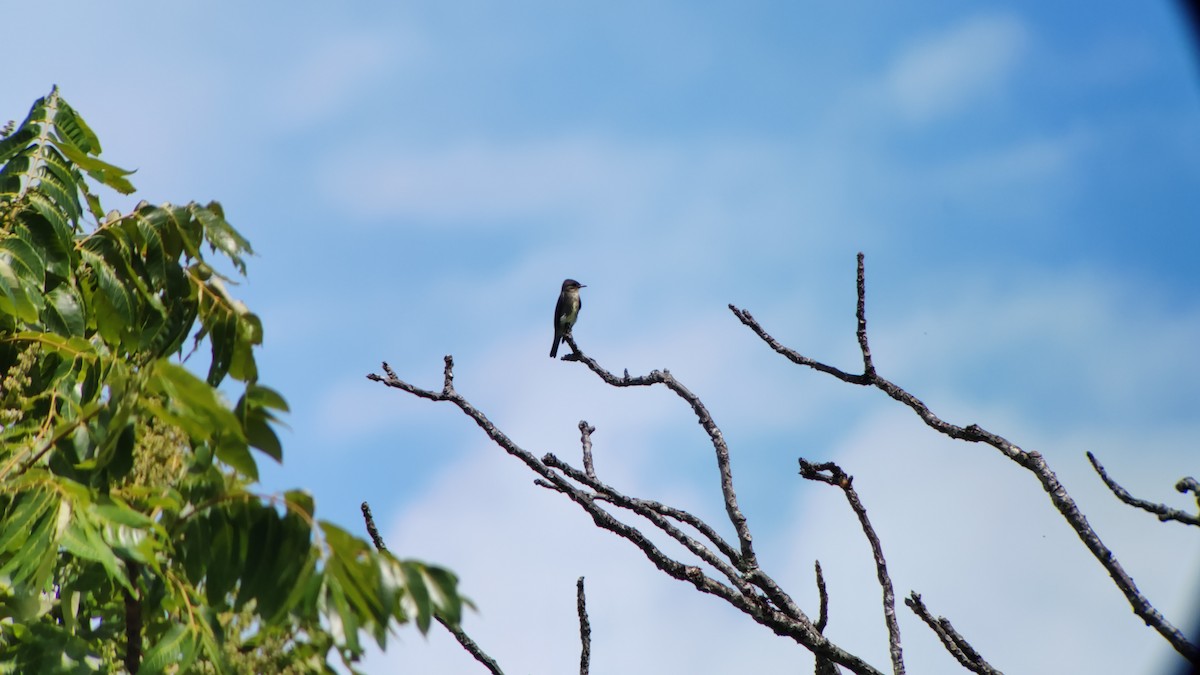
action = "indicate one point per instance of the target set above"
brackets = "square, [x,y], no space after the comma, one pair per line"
[566,312]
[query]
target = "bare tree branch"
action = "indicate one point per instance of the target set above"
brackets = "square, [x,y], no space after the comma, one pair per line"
[823,666]
[585,629]
[470,645]
[823,614]
[463,639]
[664,377]
[831,474]
[1189,484]
[585,439]
[1030,460]
[771,607]
[955,643]
[1163,511]
[658,514]
[371,529]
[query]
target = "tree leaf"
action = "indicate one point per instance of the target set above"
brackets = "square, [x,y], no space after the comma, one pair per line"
[15,298]
[176,647]
[112,176]
[63,311]
[28,263]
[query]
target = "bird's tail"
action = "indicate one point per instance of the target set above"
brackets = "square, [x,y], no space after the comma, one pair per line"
[554,346]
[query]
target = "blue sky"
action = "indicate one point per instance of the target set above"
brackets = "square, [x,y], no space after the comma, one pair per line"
[418,178]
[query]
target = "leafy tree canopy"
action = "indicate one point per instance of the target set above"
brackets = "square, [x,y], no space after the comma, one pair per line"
[129,532]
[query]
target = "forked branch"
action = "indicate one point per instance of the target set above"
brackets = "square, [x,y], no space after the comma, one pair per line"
[1030,460]
[955,643]
[1163,511]
[831,474]
[739,581]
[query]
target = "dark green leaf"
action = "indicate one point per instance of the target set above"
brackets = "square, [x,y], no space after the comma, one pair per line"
[118,295]
[64,311]
[71,124]
[28,262]
[223,337]
[17,141]
[234,451]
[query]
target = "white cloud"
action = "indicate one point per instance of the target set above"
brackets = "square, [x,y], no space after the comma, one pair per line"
[498,181]
[609,179]
[1019,166]
[334,75]
[945,73]
[1075,336]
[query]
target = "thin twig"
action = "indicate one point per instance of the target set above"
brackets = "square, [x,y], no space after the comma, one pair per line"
[585,629]
[1163,511]
[823,614]
[371,529]
[831,474]
[861,331]
[1189,484]
[955,643]
[1030,460]
[585,439]
[823,666]
[470,645]
[465,640]
[664,377]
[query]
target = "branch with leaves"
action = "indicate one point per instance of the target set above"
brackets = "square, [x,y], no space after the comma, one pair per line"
[130,535]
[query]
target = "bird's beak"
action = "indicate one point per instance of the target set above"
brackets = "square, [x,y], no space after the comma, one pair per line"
[583,285]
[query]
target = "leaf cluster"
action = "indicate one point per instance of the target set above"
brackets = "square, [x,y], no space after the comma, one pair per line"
[129,533]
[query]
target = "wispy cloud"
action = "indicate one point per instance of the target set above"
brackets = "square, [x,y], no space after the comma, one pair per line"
[495,180]
[335,75]
[947,72]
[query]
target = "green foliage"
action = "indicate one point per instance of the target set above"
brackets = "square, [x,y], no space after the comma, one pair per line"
[129,536]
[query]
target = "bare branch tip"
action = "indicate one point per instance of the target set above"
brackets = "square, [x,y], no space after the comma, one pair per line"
[371,529]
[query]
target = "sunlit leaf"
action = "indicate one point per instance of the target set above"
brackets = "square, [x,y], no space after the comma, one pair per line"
[106,173]
[28,262]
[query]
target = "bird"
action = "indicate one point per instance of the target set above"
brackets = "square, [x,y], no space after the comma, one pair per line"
[565,312]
